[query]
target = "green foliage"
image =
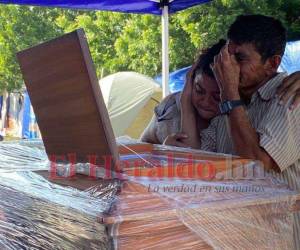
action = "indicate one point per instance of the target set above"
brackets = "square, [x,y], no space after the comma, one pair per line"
[207,23]
[102,30]
[20,29]
[138,46]
[127,41]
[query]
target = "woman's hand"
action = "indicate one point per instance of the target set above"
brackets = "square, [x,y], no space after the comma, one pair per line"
[189,135]
[290,87]
[176,140]
[186,94]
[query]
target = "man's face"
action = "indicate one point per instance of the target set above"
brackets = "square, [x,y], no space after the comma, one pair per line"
[252,68]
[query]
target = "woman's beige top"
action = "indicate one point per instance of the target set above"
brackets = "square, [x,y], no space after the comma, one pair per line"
[167,116]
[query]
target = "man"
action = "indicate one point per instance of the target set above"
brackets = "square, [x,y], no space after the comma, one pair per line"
[253,124]
[201,94]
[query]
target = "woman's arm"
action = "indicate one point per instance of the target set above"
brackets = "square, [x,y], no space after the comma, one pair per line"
[149,134]
[188,135]
[290,87]
[189,116]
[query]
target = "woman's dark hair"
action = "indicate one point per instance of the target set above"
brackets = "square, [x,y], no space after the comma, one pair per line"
[267,34]
[204,60]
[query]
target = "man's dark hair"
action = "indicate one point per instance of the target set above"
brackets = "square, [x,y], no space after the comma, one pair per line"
[266,33]
[205,59]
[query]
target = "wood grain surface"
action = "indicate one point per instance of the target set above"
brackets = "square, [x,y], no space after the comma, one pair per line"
[67,100]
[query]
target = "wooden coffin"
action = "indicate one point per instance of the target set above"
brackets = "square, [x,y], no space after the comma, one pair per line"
[65,94]
[144,219]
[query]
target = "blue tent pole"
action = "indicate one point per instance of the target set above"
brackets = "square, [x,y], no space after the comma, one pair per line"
[165,48]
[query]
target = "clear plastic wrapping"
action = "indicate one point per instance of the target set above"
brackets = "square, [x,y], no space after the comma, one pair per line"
[189,214]
[28,222]
[23,155]
[167,198]
[36,213]
[237,205]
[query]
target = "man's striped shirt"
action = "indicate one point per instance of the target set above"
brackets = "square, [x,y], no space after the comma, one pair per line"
[279,132]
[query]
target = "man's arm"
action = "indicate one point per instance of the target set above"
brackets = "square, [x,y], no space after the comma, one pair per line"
[245,139]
